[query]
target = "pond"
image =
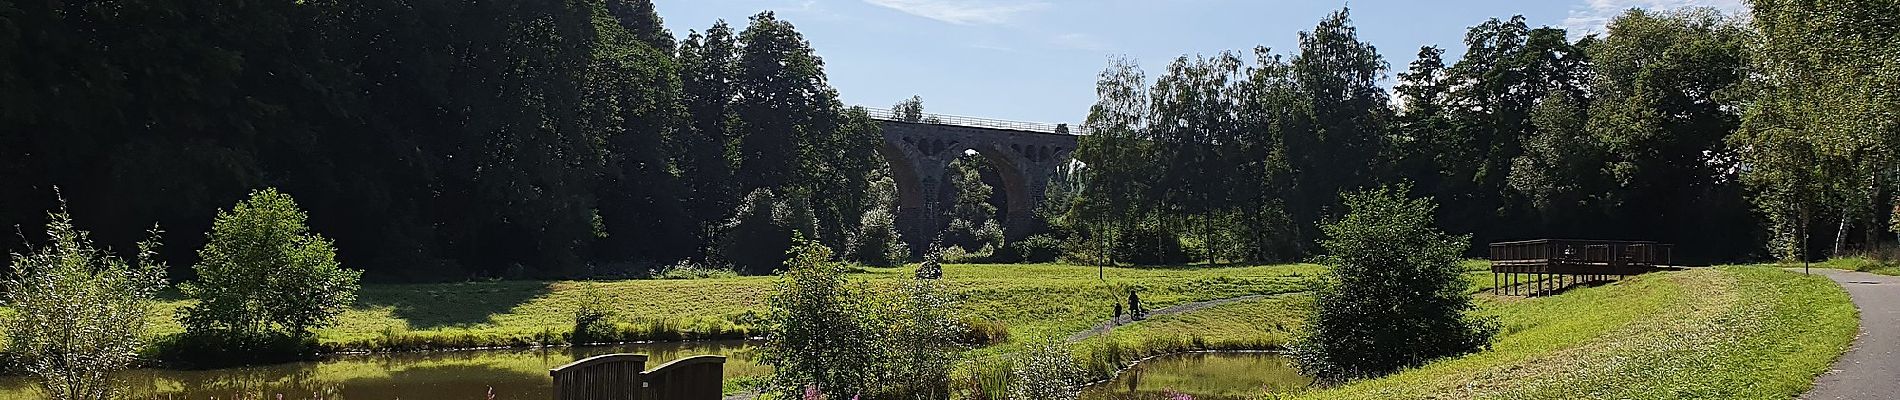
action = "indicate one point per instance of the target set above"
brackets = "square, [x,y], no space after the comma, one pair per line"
[1204,376]
[523,374]
[454,375]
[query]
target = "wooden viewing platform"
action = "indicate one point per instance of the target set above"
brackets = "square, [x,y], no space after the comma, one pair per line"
[1538,267]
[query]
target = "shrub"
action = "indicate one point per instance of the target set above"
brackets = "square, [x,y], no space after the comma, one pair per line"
[262,274]
[878,243]
[1149,244]
[932,266]
[591,325]
[818,336]
[1037,249]
[1045,371]
[983,332]
[758,237]
[839,340]
[692,270]
[78,312]
[1394,296]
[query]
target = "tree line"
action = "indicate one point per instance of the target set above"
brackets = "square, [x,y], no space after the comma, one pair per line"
[533,138]
[1685,126]
[434,140]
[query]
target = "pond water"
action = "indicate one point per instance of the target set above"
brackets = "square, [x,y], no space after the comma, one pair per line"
[455,375]
[1204,376]
[523,374]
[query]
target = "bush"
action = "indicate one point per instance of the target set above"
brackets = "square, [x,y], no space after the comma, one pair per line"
[79,312]
[878,243]
[817,332]
[757,239]
[691,270]
[840,340]
[1149,244]
[263,274]
[1394,296]
[983,332]
[591,325]
[1045,371]
[1036,249]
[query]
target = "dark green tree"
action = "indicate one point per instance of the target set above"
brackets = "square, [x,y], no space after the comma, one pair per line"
[1395,294]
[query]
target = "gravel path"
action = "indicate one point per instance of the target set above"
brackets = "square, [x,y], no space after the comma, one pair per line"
[1109,325]
[1871,368]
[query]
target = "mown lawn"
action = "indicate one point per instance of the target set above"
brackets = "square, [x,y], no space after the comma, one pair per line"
[1034,301]
[1732,332]
[1862,264]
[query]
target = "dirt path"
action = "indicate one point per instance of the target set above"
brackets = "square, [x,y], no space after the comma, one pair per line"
[1109,325]
[1871,368]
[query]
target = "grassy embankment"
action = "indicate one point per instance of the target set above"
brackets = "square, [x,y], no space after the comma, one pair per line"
[1733,332]
[1033,301]
[1862,264]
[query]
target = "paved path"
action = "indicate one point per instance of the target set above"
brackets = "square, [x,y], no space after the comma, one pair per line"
[1871,368]
[1178,309]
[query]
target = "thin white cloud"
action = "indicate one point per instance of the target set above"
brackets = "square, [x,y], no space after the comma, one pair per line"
[1080,41]
[1594,15]
[963,12]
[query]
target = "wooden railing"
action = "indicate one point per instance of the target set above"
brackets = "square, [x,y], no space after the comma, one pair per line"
[1537,267]
[623,377]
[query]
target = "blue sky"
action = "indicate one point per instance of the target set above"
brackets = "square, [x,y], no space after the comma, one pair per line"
[1036,60]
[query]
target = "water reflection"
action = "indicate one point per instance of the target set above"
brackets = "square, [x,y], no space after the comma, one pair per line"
[459,375]
[1205,376]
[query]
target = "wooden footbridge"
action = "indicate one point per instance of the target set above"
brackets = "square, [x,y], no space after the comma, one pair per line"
[624,377]
[1545,266]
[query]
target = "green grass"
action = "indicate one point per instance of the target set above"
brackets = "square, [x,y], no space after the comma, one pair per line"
[1733,332]
[1862,264]
[1263,324]
[1035,301]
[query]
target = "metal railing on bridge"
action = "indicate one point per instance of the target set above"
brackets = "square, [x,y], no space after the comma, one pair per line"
[885,114]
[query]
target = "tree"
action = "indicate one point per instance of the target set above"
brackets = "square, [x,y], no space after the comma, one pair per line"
[1345,116]
[708,66]
[1116,159]
[1664,87]
[1394,295]
[1560,165]
[1819,68]
[761,231]
[78,313]
[784,107]
[817,336]
[837,339]
[973,223]
[265,274]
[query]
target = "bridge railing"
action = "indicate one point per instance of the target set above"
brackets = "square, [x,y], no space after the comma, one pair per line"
[886,114]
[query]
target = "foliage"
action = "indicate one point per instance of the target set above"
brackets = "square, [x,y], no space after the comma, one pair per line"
[818,335]
[692,270]
[592,323]
[973,223]
[516,139]
[757,239]
[1819,139]
[78,313]
[1729,332]
[837,339]
[264,273]
[878,242]
[1395,296]
[1045,371]
[1032,249]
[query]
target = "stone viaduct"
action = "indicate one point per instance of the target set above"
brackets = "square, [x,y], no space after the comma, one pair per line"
[1025,155]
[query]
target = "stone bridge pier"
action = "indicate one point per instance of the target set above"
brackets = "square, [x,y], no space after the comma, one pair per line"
[920,155]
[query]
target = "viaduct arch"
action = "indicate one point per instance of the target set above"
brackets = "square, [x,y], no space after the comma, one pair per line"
[1025,155]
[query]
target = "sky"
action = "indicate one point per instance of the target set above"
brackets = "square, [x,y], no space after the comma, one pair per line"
[1037,60]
